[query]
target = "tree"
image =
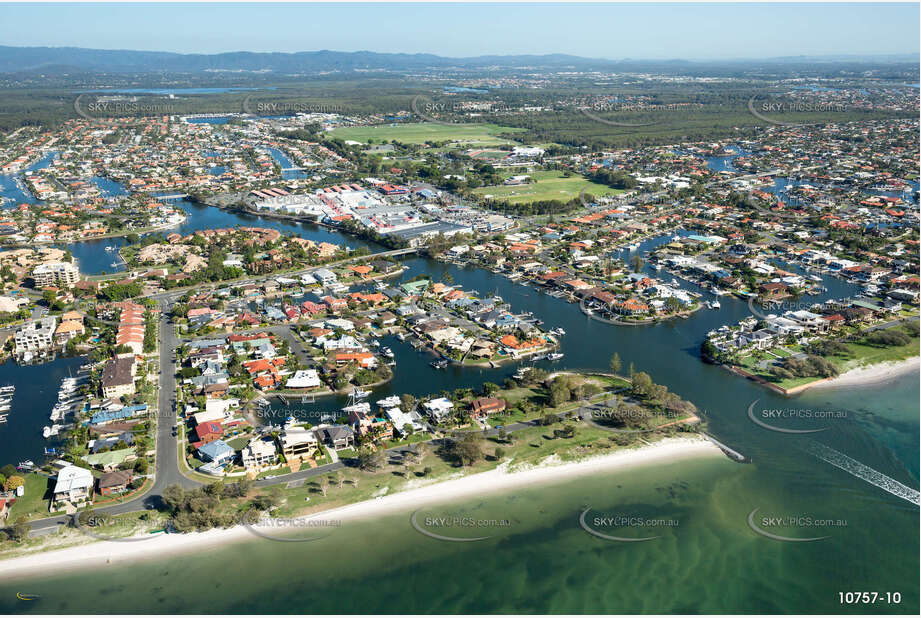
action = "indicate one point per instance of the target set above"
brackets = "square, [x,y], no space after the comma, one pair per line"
[370,460]
[499,452]
[636,262]
[13,482]
[642,384]
[615,363]
[559,393]
[19,531]
[407,403]
[490,388]
[468,449]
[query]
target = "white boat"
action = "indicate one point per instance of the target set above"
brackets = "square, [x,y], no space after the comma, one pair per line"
[387,352]
[7,390]
[357,393]
[27,464]
[715,304]
[401,336]
[3,418]
[555,356]
[558,331]
[46,431]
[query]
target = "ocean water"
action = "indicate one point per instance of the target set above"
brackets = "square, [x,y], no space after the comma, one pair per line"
[704,557]
[712,561]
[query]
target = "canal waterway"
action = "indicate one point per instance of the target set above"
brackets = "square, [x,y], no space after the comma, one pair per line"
[710,562]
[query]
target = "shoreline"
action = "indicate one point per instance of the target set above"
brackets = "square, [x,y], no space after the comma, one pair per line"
[868,375]
[107,553]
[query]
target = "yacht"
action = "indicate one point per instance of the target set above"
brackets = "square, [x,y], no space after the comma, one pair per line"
[46,431]
[554,356]
[7,390]
[387,352]
[359,393]
[715,304]
[558,331]
[439,364]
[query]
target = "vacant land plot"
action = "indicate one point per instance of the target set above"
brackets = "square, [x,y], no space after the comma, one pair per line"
[550,185]
[420,133]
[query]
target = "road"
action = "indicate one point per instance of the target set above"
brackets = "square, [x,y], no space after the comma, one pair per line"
[167,470]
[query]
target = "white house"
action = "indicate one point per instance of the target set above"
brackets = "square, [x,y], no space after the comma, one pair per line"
[74,485]
[439,409]
[304,378]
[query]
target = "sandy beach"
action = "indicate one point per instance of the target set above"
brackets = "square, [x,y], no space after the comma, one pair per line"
[872,375]
[108,553]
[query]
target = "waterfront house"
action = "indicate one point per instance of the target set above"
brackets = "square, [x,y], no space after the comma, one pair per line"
[118,377]
[439,409]
[73,486]
[336,436]
[115,482]
[297,443]
[260,452]
[484,406]
[217,452]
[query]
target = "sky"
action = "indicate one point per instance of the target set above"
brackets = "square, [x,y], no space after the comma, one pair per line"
[613,31]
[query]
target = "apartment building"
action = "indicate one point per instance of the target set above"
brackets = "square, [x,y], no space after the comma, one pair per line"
[63,274]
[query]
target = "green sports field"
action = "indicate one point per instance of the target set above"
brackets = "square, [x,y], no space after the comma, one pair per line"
[550,185]
[461,134]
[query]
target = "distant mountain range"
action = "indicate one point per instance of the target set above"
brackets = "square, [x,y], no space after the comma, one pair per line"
[75,59]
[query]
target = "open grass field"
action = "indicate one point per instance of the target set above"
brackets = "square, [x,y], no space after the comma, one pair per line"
[550,185]
[35,501]
[465,135]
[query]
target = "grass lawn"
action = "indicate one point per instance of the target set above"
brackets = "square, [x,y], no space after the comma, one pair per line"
[529,447]
[549,185]
[419,133]
[238,443]
[861,355]
[35,501]
[868,355]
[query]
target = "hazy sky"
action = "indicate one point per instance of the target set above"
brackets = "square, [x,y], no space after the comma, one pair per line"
[690,31]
